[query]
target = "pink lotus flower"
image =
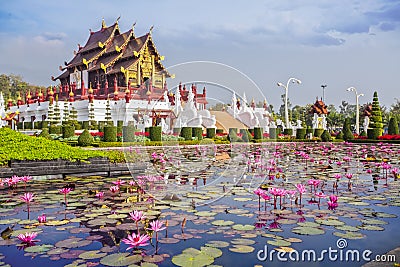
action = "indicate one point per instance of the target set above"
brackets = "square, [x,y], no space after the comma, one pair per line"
[132,183]
[114,188]
[156,226]
[349,175]
[25,178]
[338,176]
[265,196]
[258,192]
[137,215]
[27,197]
[65,191]
[42,218]
[136,240]
[332,205]
[301,188]
[333,198]
[119,182]
[100,195]
[320,195]
[28,238]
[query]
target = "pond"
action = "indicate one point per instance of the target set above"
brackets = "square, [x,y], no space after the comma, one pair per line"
[234,205]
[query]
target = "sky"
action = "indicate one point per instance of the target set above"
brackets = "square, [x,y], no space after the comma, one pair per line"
[254,44]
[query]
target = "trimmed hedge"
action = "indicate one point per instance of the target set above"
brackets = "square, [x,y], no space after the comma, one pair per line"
[301,133]
[288,131]
[258,133]
[272,133]
[68,131]
[186,133]
[128,133]
[119,126]
[45,133]
[155,133]
[318,132]
[309,130]
[55,129]
[197,132]
[347,134]
[393,127]
[339,135]
[374,133]
[326,136]
[85,125]
[110,134]
[219,131]
[232,135]
[211,132]
[85,139]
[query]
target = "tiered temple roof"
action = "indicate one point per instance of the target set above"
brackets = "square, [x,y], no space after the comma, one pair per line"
[110,57]
[319,107]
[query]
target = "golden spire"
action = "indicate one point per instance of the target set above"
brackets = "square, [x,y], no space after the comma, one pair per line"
[90,91]
[29,94]
[40,93]
[19,96]
[103,24]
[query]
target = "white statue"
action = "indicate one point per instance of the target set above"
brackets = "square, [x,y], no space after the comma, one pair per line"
[366,123]
[2,111]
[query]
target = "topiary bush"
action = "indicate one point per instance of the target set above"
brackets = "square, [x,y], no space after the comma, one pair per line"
[301,133]
[68,131]
[272,133]
[393,127]
[246,135]
[85,125]
[375,123]
[55,129]
[197,132]
[186,133]
[211,132]
[347,134]
[110,134]
[119,126]
[45,133]
[85,139]
[318,132]
[339,135]
[219,131]
[258,133]
[128,133]
[232,136]
[155,133]
[326,136]
[288,131]
[363,134]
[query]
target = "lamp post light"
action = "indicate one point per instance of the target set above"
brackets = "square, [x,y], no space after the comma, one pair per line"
[352,89]
[323,92]
[293,80]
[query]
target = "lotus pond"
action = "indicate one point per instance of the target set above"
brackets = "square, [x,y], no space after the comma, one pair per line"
[208,206]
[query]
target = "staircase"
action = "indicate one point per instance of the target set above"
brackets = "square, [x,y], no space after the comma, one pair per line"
[226,121]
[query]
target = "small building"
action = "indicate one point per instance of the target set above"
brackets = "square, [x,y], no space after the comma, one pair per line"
[320,111]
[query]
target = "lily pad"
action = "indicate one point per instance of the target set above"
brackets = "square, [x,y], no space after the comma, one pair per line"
[241,249]
[39,248]
[206,213]
[373,221]
[330,222]
[217,244]
[242,241]
[222,223]
[120,259]
[92,254]
[241,227]
[190,260]
[305,230]
[73,242]
[279,243]
[349,235]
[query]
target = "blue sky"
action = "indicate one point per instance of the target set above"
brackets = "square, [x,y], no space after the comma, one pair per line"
[339,43]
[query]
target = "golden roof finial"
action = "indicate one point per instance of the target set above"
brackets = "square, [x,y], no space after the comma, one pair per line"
[103,23]
[151,29]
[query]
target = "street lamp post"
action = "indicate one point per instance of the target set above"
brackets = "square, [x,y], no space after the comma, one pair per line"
[323,92]
[352,89]
[294,80]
